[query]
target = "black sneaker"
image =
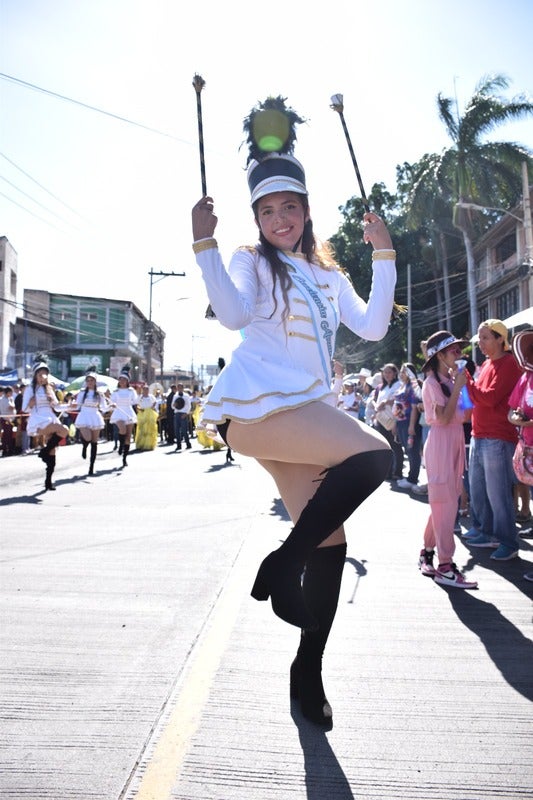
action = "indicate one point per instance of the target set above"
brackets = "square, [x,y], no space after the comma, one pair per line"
[425,563]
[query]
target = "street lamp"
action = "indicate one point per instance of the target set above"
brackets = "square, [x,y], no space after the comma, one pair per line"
[149,337]
[475,207]
[525,219]
[193,337]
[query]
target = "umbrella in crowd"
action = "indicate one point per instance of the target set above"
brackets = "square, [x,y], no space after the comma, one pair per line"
[102,382]
[12,379]
[57,382]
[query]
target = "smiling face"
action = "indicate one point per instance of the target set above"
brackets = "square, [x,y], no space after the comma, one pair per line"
[281,217]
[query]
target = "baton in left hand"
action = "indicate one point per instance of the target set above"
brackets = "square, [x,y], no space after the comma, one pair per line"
[199,83]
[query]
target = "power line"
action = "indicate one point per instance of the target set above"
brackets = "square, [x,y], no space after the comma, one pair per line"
[92,108]
[33,200]
[46,222]
[40,185]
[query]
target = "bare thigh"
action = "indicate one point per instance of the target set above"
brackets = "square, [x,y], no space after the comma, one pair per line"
[297,483]
[54,427]
[315,434]
[89,435]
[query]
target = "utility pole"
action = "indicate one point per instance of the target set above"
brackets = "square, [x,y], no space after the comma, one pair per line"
[409,318]
[149,334]
[526,207]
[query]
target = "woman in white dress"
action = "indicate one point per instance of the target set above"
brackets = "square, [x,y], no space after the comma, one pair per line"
[124,401]
[41,402]
[91,403]
[273,401]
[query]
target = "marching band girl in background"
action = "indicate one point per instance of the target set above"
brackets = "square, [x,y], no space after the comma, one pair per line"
[90,422]
[125,400]
[41,402]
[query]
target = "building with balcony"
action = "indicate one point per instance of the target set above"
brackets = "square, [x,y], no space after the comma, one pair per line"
[76,332]
[504,267]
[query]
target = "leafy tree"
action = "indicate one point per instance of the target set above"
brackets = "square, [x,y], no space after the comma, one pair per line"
[471,170]
[426,228]
[429,212]
[356,258]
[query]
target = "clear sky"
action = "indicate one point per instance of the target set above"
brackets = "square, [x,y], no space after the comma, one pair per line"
[92,203]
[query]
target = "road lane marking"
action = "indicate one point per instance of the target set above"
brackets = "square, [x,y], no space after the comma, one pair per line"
[159,768]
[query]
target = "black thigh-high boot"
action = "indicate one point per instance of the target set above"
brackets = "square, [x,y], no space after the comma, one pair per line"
[50,467]
[84,447]
[320,586]
[342,490]
[120,443]
[52,442]
[94,447]
[125,451]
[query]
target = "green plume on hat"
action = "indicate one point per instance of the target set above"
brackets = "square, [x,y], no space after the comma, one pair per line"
[270,127]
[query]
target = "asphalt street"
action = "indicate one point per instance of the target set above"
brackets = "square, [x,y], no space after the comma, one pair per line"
[135,665]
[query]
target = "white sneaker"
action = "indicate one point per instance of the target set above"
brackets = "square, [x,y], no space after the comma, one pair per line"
[420,488]
[403,483]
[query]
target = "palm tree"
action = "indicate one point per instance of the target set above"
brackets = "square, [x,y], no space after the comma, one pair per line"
[428,208]
[475,171]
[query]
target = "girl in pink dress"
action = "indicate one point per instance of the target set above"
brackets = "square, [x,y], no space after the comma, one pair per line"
[444,456]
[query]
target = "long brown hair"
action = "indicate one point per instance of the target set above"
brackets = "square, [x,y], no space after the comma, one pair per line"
[319,254]
[47,386]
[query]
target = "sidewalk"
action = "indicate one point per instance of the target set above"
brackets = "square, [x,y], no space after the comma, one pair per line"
[431,688]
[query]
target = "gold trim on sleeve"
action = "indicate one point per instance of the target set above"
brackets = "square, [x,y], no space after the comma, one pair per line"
[204,244]
[383,255]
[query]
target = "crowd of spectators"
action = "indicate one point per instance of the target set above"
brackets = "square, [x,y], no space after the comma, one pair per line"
[493,508]
[498,404]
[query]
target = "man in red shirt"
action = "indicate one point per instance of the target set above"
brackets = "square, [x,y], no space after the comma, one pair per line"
[492,445]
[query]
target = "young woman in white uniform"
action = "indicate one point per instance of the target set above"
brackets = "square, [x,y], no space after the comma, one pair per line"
[273,401]
[125,400]
[41,402]
[91,403]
